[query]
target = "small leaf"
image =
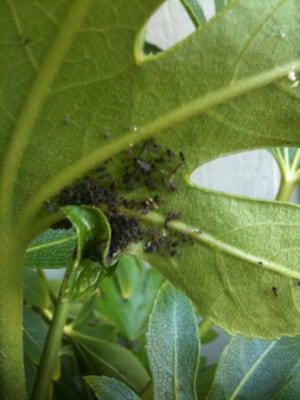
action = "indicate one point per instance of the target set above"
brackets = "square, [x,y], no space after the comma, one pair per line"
[128,297]
[173,346]
[30,373]
[195,11]
[209,336]
[53,249]
[35,331]
[110,388]
[70,385]
[205,380]
[100,357]
[220,4]
[258,369]
[35,289]
[93,240]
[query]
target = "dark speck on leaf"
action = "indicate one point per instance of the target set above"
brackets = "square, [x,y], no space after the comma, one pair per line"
[106,136]
[275,291]
[25,41]
[260,263]
[66,121]
[182,157]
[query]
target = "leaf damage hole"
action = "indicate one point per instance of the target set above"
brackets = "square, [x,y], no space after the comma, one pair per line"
[174,21]
[254,174]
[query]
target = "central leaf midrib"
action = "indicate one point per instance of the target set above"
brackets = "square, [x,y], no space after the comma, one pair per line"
[251,371]
[37,95]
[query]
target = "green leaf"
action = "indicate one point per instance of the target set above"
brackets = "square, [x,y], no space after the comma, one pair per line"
[257,369]
[128,297]
[173,346]
[223,92]
[220,4]
[101,357]
[195,11]
[35,289]
[53,249]
[35,331]
[209,337]
[237,280]
[93,240]
[110,388]
[205,380]
[70,385]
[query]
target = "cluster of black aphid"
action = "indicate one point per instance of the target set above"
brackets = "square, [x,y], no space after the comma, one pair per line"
[151,166]
[147,165]
[165,242]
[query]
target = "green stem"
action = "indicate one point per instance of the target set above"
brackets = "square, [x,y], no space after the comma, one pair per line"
[205,327]
[12,378]
[286,189]
[53,341]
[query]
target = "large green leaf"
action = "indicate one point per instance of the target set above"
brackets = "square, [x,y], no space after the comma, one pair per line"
[60,100]
[110,389]
[243,271]
[78,73]
[173,346]
[258,369]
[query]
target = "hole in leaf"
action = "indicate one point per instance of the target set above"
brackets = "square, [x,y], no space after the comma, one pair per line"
[253,174]
[172,23]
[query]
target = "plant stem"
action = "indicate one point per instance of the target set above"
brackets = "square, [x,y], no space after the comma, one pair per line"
[205,327]
[286,188]
[53,341]
[12,377]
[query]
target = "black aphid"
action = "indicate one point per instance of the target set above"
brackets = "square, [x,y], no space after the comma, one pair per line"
[25,41]
[124,230]
[173,252]
[172,187]
[147,165]
[171,216]
[275,291]
[143,165]
[182,157]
